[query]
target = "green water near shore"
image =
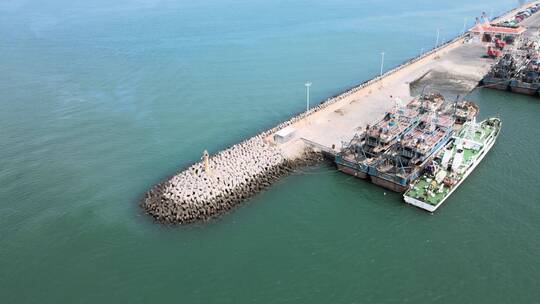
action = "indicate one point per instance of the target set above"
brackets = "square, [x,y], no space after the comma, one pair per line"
[101,101]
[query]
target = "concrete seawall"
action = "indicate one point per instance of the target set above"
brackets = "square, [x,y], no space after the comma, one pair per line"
[244,169]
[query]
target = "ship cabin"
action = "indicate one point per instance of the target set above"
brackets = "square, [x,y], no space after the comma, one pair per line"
[430,102]
[464,112]
[531,77]
[430,134]
[531,74]
[383,134]
[505,67]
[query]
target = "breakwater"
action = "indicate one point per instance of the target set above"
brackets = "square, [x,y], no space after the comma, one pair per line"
[233,175]
[240,171]
[202,192]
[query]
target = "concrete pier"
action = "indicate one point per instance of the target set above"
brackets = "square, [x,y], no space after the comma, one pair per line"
[211,187]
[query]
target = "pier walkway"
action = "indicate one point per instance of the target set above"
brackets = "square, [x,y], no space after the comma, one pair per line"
[458,64]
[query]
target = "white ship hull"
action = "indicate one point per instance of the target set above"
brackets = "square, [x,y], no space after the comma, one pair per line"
[432,208]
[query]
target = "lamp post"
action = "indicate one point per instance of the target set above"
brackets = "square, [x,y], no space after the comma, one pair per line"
[382,62]
[464,25]
[438,33]
[307,84]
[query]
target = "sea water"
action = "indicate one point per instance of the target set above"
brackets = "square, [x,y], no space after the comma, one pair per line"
[102,99]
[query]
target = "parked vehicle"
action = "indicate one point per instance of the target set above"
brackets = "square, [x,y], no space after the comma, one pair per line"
[493,52]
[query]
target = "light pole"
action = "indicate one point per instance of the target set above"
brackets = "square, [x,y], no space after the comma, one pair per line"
[307,84]
[464,25]
[382,62]
[437,43]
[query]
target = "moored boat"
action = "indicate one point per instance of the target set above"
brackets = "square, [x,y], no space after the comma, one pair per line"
[493,82]
[397,168]
[500,76]
[451,166]
[357,156]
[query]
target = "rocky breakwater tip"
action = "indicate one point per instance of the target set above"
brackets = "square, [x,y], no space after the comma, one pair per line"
[210,188]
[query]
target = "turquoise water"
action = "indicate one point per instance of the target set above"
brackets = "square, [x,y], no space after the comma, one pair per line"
[100,101]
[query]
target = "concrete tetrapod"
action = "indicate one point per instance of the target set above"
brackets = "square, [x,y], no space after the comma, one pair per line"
[235,175]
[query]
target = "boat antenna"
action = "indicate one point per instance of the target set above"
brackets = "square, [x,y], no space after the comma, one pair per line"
[422,99]
[423,89]
[455,104]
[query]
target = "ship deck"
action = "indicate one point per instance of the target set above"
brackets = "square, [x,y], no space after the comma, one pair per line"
[428,191]
[430,139]
[388,130]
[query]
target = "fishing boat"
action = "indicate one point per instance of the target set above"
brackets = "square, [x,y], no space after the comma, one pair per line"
[357,156]
[398,167]
[528,79]
[517,71]
[453,164]
[501,74]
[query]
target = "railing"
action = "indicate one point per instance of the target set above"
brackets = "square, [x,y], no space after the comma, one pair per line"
[324,149]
